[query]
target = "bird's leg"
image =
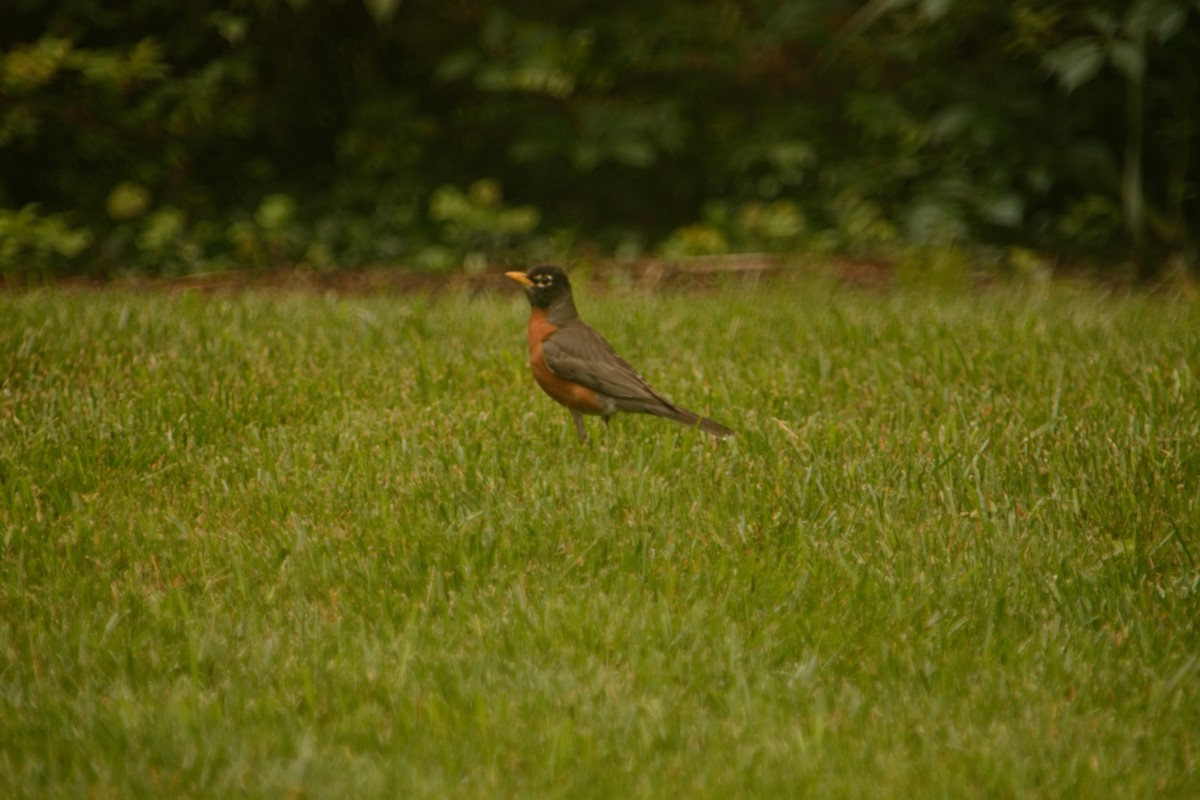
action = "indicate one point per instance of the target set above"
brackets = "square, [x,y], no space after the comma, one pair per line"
[579,427]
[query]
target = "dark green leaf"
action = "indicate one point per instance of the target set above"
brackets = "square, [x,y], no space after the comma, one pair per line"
[1076,62]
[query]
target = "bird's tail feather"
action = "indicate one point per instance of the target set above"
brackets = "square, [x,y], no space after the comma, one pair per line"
[682,416]
[694,420]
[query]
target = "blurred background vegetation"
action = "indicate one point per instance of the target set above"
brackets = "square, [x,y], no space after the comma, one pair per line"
[182,136]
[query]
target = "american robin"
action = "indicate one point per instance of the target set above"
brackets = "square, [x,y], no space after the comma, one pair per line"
[578,368]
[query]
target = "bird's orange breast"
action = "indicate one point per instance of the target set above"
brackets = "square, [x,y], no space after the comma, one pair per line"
[570,394]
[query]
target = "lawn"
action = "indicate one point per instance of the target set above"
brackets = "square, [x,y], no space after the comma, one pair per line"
[278,544]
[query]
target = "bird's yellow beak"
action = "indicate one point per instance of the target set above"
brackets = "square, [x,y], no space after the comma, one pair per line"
[520,278]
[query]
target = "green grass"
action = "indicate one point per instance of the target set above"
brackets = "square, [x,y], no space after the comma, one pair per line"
[276,545]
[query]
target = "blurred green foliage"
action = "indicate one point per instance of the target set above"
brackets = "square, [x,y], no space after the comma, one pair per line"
[173,136]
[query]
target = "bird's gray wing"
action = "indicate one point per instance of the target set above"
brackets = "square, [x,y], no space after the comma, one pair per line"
[577,353]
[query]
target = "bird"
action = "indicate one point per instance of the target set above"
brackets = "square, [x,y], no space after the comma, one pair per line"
[578,368]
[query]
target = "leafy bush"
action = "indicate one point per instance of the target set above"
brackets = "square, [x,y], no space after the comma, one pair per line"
[31,242]
[476,226]
[179,137]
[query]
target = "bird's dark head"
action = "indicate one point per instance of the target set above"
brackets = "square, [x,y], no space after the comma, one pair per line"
[546,285]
